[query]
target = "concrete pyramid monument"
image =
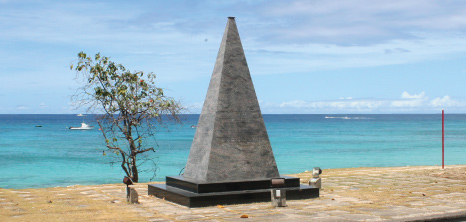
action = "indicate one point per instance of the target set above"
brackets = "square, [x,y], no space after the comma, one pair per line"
[231,159]
[231,142]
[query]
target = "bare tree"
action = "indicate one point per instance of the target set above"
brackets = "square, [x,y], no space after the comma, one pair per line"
[131,104]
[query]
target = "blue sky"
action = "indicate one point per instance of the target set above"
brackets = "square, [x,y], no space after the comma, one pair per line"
[359,56]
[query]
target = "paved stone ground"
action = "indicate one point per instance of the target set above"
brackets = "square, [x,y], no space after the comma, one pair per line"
[360,194]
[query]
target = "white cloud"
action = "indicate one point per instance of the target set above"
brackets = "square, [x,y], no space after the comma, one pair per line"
[362,21]
[410,100]
[358,105]
[316,57]
[361,36]
[446,102]
[296,104]
[311,38]
[406,95]
[406,103]
[418,103]
[21,107]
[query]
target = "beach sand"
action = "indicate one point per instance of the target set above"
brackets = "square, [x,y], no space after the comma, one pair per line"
[355,194]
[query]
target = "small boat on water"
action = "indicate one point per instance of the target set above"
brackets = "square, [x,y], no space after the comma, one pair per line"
[83,126]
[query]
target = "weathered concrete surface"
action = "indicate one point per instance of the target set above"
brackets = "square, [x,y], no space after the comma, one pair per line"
[360,194]
[231,142]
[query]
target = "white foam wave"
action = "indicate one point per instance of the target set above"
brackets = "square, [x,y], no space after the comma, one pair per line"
[346,117]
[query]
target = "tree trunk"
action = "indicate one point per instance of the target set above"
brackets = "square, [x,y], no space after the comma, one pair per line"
[134,170]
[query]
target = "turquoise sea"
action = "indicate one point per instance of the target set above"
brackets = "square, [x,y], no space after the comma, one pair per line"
[53,155]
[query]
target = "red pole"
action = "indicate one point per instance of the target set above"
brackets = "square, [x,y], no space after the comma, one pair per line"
[443,139]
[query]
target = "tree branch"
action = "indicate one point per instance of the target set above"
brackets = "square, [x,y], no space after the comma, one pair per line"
[145,150]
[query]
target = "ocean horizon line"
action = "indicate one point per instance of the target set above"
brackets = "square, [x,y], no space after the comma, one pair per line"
[439,113]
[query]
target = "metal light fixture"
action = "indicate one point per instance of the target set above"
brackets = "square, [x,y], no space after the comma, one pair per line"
[316,181]
[278,196]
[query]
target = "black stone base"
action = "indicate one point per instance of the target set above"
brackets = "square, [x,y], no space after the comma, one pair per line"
[192,194]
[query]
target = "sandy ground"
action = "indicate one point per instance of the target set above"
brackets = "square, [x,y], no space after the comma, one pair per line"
[355,194]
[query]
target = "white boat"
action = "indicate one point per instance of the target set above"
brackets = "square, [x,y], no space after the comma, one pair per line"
[83,126]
